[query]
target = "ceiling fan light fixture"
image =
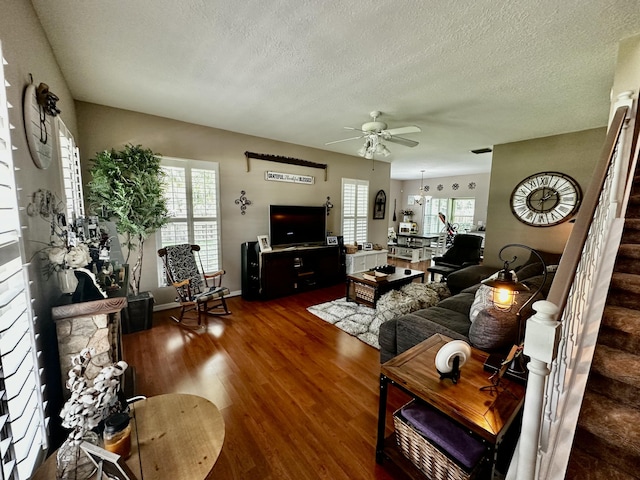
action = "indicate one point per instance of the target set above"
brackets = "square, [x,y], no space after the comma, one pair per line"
[381,149]
[375,132]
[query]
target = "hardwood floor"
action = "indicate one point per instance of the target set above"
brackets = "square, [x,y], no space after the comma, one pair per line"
[299,396]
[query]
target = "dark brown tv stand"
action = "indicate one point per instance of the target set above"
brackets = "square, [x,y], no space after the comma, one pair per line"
[286,271]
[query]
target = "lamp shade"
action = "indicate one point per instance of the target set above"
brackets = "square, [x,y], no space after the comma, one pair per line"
[505,289]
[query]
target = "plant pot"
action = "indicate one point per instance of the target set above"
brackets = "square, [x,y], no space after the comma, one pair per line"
[138,315]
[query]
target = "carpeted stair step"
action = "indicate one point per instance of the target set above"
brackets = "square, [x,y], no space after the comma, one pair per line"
[616,375]
[631,232]
[583,466]
[628,259]
[633,208]
[620,329]
[608,430]
[624,290]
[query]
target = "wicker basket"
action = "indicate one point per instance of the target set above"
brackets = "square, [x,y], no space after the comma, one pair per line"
[351,249]
[365,292]
[426,456]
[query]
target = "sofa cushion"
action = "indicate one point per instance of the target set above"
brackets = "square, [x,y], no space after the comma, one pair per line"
[449,319]
[469,276]
[415,327]
[460,303]
[472,289]
[534,282]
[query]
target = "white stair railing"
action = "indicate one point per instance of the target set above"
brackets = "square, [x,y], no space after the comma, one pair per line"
[561,351]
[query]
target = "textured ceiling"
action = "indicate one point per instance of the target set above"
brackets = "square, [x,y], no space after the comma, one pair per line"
[470,73]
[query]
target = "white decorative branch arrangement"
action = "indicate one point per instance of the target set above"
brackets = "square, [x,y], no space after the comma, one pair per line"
[89,404]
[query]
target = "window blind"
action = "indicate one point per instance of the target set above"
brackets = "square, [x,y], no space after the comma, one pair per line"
[191,189]
[23,435]
[71,172]
[355,202]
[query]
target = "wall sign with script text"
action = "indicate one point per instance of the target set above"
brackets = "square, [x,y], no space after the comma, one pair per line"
[289,177]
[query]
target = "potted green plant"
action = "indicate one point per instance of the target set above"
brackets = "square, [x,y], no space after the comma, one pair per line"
[126,187]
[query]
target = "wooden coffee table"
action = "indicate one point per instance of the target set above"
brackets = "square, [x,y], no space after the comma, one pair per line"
[367,292]
[487,414]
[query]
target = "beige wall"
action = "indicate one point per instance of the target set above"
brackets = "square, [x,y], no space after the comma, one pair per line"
[574,154]
[480,192]
[103,128]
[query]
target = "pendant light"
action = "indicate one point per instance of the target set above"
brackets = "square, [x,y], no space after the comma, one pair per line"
[421,198]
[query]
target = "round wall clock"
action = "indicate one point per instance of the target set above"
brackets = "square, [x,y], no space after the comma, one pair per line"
[545,199]
[40,130]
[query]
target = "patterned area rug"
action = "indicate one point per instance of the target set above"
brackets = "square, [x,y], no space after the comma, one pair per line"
[364,322]
[357,320]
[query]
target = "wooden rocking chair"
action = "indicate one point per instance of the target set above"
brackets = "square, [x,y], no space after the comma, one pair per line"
[202,292]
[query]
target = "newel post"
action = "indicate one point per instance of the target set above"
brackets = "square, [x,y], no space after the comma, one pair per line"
[541,345]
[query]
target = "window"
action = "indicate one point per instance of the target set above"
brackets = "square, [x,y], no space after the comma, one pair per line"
[71,172]
[355,200]
[23,435]
[191,190]
[433,207]
[457,211]
[462,210]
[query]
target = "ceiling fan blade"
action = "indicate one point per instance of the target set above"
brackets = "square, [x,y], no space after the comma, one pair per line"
[344,140]
[403,130]
[402,141]
[353,128]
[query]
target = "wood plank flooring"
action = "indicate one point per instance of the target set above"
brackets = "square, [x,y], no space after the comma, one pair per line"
[299,396]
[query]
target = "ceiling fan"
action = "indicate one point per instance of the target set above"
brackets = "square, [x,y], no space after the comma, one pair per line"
[375,132]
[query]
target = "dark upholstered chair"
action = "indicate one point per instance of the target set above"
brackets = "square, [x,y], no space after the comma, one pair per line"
[199,291]
[464,252]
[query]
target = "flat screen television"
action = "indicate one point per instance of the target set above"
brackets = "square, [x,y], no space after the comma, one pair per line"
[297,225]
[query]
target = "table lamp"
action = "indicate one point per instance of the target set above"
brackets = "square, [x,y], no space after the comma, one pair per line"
[505,289]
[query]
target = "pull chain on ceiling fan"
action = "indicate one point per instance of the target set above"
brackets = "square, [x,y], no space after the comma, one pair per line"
[375,133]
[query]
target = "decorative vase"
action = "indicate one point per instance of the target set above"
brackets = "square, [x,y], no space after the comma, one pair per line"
[72,463]
[67,281]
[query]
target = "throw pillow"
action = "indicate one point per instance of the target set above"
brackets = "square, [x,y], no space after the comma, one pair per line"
[422,293]
[395,303]
[481,302]
[493,330]
[440,288]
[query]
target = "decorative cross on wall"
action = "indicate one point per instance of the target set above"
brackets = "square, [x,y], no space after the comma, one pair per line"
[243,201]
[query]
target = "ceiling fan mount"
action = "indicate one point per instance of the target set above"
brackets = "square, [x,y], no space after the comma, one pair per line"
[375,126]
[375,132]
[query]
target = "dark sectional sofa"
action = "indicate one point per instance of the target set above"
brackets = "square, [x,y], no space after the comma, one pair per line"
[450,316]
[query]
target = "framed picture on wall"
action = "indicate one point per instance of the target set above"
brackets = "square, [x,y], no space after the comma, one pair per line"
[263,243]
[379,205]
